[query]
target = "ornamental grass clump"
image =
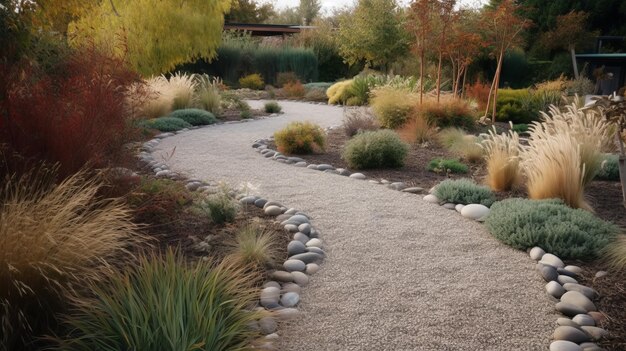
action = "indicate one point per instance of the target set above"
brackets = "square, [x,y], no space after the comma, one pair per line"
[466,146]
[356,120]
[378,149]
[616,253]
[565,154]
[300,138]
[550,224]
[194,116]
[208,93]
[166,303]
[255,247]
[54,238]
[502,158]
[464,191]
[220,207]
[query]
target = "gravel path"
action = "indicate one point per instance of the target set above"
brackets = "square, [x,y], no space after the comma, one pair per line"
[400,274]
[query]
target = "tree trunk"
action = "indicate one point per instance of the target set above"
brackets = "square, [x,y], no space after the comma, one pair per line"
[573,53]
[497,83]
[453,78]
[464,82]
[439,75]
[489,97]
[421,75]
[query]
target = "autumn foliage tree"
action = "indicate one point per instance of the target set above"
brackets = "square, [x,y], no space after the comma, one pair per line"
[503,26]
[420,21]
[464,45]
[155,36]
[445,10]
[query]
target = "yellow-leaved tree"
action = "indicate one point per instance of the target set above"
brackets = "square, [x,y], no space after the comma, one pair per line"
[155,36]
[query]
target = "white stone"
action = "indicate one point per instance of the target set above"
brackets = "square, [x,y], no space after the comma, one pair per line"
[562,345]
[431,198]
[536,253]
[553,260]
[459,207]
[314,243]
[475,211]
[360,176]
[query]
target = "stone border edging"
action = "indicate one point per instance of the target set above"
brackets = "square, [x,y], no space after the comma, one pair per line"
[575,300]
[305,251]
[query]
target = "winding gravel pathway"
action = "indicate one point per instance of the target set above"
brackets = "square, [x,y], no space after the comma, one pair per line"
[400,274]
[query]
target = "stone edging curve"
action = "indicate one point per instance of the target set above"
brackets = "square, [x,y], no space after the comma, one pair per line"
[574,300]
[305,251]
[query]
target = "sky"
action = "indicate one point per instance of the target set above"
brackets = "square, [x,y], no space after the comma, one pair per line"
[328,5]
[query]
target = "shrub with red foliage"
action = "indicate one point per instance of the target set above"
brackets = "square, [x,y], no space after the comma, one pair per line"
[75,114]
[294,89]
[478,91]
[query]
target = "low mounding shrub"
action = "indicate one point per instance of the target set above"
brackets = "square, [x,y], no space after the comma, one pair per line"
[378,149]
[392,107]
[294,90]
[53,238]
[252,81]
[502,157]
[523,105]
[300,138]
[442,165]
[194,116]
[450,136]
[520,128]
[449,113]
[550,224]
[464,191]
[272,107]
[166,124]
[255,247]
[338,92]
[220,207]
[165,303]
[356,120]
[609,170]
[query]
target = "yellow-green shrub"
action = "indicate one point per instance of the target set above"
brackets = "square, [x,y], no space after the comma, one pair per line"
[338,93]
[300,138]
[252,81]
[392,107]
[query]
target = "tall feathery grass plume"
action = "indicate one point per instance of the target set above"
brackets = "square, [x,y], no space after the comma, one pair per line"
[502,157]
[54,238]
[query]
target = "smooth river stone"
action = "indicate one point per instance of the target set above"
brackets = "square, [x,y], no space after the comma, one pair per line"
[271,283]
[290,299]
[305,228]
[273,210]
[584,320]
[449,206]
[249,200]
[312,268]
[555,289]
[282,276]
[569,310]
[295,247]
[564,271]
[308,257]
[562,345]
[595,332]
[578,299]
[314,243]
[287,314]
[294,265]
[267,325]
[272,203]
[574,269]
[360,176]
[301,237]
[459,207]
[536,253]
[565,279]
[291,287]
[570,334]
[292,228]
[474,211]
[260,203]
[316,250]
[299,218]
[566,322]
[585,290]
[548,273]
[431,198]
[269,295]
[300,278]
[553,260]
[413,190]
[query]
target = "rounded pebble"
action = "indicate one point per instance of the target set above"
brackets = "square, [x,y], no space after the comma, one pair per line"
[300,278]
[311,268]
[553,260]
[282,276]
[565,279]
[584,320]
[595,332]
[431,198]
[578,299]
[555,289]
[273,210]
[268,325]
[570,334]
[314,243]
[294,265]
[295,247]
[562,345]
[291,287]
[475,211]
[536,253]
[360,176]
[301,237]
[290,299]
[305,228]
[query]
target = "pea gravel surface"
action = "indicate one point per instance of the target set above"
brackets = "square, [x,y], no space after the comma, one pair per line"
[400,273]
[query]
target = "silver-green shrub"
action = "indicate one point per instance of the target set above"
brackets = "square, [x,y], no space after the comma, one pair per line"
[464,191]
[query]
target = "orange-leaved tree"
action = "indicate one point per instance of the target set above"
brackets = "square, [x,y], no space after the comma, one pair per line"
[420,22]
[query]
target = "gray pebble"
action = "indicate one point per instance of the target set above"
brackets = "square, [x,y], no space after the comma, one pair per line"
[584,320]
[290,299]
[570,334]
[413,190]
[295,247]
[249,200]
[536,253]
[566,322]
[553,260]
[562,345]
[300,278]
[595,332]
[308,257]
[311,268]
[260,203]
[360,176]
[282,276]
[569,310]
[292,228]
[267,325]
[305,228]
[291,287]
[565,279]
[548,273]
[301,237]
[555,289]
[294,265]
[578,299]
[585,290]
[273,210]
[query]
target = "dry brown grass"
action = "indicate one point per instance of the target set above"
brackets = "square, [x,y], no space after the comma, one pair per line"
[553,169]
[502,158]
[255,247]
[52,238]
[417,129]
[616,253]
[357,120]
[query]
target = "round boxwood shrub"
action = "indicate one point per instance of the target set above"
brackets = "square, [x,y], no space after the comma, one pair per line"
[272,107]
[566,232]
[194,116]
[464,191]
[300,138]
[166,124]
[376,149]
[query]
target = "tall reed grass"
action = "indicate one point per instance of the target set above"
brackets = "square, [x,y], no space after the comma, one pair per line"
[502,155]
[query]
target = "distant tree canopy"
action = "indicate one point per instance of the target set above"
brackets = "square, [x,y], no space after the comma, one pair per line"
[248,11]
[154,36]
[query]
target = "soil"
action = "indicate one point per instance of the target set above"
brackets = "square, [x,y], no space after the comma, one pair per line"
[604,196]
